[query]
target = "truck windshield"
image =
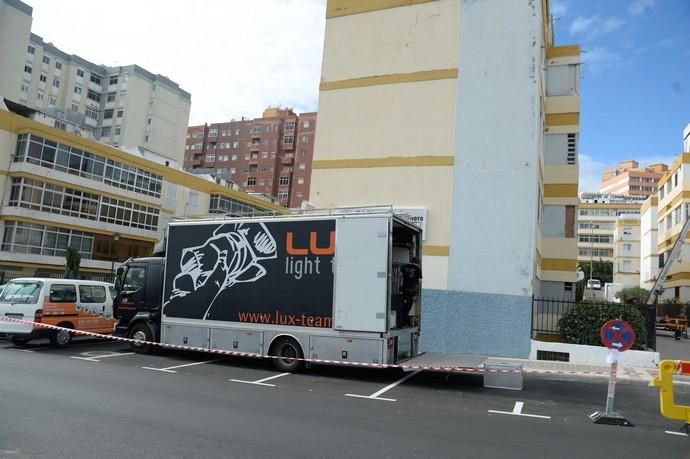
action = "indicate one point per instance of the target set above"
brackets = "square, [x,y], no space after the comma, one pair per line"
[21,292]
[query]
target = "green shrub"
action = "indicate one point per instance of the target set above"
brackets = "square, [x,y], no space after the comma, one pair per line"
[582,323]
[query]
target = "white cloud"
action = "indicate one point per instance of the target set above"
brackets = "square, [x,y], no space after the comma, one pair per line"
[590,173]
[599,58]
[639,6]
[234,57]
[665,43]
[558,8]
[594,26]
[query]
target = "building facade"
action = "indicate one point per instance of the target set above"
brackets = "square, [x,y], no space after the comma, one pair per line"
[454,71]
[626,250]
[59,188]
[598,215]
[649,259]
[15,28]
[628,178]
[271,155]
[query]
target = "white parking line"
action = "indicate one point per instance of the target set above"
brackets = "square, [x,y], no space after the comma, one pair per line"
[673,432]
[375,395]
[170,369]
[517,411]
[97,359]
[261,382]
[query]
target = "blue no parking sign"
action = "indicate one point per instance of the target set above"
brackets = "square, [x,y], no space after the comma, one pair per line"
[617,335]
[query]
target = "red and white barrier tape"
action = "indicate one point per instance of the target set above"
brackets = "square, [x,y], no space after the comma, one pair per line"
[449,369]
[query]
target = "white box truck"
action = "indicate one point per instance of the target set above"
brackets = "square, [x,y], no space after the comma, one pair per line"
[320,286]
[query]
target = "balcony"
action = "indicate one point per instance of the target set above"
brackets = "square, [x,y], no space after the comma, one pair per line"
[288,146]
[287,160]
[254,146]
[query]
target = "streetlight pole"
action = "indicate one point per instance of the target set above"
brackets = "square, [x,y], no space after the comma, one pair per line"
[116,237]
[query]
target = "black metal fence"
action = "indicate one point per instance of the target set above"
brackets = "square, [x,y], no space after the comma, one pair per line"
[547,314]
[6,276]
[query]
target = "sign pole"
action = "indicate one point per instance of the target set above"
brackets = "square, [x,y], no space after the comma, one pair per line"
[618,336]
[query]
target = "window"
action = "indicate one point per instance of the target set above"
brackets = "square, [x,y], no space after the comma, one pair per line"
[210,158]
[77,90]
[300,181]
[251,181]
[134,279]
[627,266]
[107,114]
[289,125]
[43,78]
[305,139]
[224,205]
[22,292]
[306,124]
[675,179]
[105,132]
[93,95]
[91,113]
[39,97]
[283,195]
[120,113]
[288,140]
[111,97]
[63,293]
[56,83]
[91,294]
[46,60]
[31,50]
[627,247]
[117,131]
[284,181]
[237,132]
[264,154]
[58,65]
[80,73]
[235,145]
[627,234]
[233,158]
[213,132]
[27,69]
[113,80]
[148,121]
[302,166]
[25,88]
[95,78]
[75,107]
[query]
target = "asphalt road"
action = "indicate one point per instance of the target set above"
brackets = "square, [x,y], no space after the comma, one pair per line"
[105,404]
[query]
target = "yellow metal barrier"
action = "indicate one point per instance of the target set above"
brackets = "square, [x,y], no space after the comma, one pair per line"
[669,409]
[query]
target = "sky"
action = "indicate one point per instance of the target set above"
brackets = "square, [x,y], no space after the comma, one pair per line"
[236,57]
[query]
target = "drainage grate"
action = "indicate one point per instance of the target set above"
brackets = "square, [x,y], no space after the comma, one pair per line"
[553,356]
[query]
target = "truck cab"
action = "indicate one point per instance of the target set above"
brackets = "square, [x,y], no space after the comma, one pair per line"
[139,287]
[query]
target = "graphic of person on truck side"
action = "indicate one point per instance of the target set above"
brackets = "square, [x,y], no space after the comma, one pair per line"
[233,254]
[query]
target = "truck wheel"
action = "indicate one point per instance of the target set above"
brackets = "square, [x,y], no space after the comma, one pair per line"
[61,338]
[140,332]
[287,351]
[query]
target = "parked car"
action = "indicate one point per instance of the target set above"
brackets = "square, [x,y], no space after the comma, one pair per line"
[76,304]
[594,284]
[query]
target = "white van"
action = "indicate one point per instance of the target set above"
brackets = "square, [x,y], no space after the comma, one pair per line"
[594,284]
[76,304]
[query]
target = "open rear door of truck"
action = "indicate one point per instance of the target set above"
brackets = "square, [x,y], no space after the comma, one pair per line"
[361,274]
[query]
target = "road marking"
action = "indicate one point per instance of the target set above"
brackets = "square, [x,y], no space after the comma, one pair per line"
[517,411]
[170,369]
[20,350]
[261,382]
[375,395]
[673,432]
[97,359]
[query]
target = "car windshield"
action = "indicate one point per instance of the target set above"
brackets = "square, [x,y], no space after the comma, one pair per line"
[21,292]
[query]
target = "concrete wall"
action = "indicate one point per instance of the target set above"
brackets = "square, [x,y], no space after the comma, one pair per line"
[15,28]
[596,355]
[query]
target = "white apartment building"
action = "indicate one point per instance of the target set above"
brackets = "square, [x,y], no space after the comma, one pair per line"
[626,250]
[122,106]
[59,188]
[597,217]
[686,138]
[649,259]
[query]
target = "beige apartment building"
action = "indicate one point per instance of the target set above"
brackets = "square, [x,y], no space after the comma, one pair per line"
[598,215]
[649,259]
[628,178]
[626,250]
[125,106]
[412,95]
[60,188]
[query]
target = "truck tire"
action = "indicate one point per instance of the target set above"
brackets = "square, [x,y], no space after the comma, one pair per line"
[142,332]
[61,338]
[287,351]
[19,341]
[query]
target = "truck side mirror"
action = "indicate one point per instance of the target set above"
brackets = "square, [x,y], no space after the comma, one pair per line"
[118,277]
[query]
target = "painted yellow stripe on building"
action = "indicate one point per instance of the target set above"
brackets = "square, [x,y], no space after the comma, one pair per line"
[560,190]
[651,201]
[35,266]
[562,51]
[626,223]
[678,276]
[683,158]
[562,119]
[394,78]
[668,208]
[87,229]
[558,264]
[391,161]
[20,125]
[436,250]
[338,8]
[48,179]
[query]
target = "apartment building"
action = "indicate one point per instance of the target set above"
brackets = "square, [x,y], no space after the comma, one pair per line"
[271,155]
[686,138]
[628,178]
[61,188]
[626,250]
[649,259]
[125,106]
[455,71]
[598,215]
